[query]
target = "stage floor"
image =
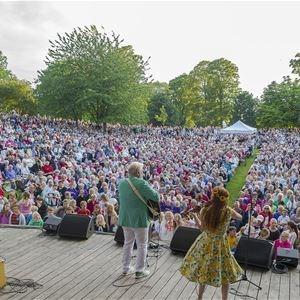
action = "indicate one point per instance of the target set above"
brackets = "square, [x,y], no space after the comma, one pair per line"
[72,269]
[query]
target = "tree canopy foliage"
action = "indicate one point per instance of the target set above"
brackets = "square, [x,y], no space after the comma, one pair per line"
[4,72]
[15,94]
[217,86]
[210,94]
[203,97]
[161,109]
[280,105]
[295,64]
[245,108]
[91,74]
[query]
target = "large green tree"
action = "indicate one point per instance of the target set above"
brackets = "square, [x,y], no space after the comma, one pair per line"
[91,74]
[280,104]
[158,99]
[161,109]
[15,94]
[183,91]
[245,108]
[206,95]
[60,90]
[217,85]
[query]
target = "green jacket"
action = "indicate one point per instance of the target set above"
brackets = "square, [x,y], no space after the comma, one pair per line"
[133,212]
[36,223]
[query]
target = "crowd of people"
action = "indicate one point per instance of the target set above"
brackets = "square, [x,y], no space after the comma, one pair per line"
[57,167]
[270,200]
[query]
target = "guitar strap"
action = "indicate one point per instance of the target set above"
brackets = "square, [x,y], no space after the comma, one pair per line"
[153,211]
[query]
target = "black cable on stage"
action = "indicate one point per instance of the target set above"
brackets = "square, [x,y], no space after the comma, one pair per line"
[19,286]
[279,268]
[159,245]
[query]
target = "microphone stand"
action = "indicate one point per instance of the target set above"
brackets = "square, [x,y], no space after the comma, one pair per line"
[244,276]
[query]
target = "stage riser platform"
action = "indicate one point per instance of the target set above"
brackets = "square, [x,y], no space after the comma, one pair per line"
[74,269]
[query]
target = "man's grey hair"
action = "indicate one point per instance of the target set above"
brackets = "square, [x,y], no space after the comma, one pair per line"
[135,169]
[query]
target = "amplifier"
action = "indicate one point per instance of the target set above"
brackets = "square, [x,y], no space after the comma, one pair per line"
[288,257]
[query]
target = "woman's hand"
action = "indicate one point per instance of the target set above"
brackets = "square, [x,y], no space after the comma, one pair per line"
[196,219]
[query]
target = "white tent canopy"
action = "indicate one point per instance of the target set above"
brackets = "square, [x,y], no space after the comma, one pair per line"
[238,127]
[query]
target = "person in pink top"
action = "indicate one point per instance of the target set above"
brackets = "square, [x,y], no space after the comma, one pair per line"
[25,205]
[5,213]
[282,242]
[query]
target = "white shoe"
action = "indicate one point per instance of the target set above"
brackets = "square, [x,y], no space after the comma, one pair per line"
[142,274]
[129,272]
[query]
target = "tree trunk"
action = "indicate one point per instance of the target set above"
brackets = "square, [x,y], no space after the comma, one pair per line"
[104,127]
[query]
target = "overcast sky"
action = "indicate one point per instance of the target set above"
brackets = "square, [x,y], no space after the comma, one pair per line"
[259,37]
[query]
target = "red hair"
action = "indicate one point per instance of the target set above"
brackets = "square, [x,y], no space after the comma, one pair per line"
[212,212]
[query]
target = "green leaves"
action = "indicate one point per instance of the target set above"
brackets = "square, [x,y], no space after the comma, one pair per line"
[217,83]
[90,73]
[163,116]
[206,95]
[280,105]
[14,94]
[295,64]
[4,72]
[184,98]
[162,109]
[3,61]
[245,108]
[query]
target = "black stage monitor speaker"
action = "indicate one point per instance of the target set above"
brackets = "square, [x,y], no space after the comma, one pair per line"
[183,239]
[254,252]
[76,226]
[288,257]
[119,235]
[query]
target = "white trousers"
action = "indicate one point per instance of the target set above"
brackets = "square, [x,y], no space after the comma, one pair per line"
[140,235]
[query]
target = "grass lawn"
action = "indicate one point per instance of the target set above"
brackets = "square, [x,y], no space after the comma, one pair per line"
[235,185]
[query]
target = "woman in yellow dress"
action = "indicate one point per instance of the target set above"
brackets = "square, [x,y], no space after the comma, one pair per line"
[209,260]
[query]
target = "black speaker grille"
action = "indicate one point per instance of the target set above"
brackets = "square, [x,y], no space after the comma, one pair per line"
[76,226]
[254,252]
[183,239]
